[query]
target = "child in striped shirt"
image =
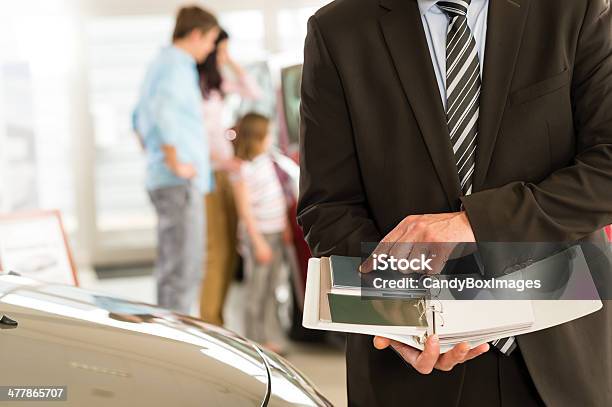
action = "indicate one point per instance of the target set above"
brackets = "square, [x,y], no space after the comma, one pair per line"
[264,226]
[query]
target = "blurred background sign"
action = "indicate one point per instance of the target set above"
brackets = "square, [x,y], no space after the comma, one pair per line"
[34,245]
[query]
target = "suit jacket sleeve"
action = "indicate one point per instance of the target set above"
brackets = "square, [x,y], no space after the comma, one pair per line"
[573,201]
[332,208]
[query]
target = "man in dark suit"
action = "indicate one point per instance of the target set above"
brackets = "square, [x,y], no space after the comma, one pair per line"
[426,121]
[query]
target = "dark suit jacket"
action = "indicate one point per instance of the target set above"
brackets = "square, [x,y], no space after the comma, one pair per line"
[375,148]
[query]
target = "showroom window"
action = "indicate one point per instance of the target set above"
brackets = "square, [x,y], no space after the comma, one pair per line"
[119,50]
[36,161]
[292,24]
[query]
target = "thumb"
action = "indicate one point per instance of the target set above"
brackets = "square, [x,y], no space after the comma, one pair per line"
[381,343]
[367,266]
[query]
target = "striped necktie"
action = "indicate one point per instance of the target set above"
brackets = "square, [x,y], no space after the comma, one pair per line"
[462,89]
[463,103]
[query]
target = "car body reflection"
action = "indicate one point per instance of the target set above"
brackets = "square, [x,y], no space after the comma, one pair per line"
[114,352]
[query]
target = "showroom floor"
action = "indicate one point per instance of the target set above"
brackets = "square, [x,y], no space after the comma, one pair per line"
[323,364]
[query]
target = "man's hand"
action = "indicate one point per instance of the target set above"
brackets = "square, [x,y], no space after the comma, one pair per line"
[185,171]
[429,359]
[434,236]
[181,170]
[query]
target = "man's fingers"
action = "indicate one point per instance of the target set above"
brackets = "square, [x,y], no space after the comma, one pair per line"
[401,250]
[408,353]
[381,343]
[456,355]
[426,361]
[405,246]
[460,354]
[440,256]
[384,247]
[423,362]
[368,265]
[394,240]
[477,351]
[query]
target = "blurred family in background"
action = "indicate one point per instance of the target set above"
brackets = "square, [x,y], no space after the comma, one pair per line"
[220,75]
[217,192]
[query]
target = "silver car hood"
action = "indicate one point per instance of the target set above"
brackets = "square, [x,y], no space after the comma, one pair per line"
[120,353]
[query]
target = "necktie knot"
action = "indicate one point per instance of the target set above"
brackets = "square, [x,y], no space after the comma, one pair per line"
[454,8]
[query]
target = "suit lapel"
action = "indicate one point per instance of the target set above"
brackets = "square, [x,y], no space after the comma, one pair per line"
[505,26]
[405,38]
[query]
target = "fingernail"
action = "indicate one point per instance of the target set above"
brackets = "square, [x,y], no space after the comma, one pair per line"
[434,338]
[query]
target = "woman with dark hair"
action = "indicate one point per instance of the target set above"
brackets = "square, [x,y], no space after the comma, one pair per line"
[210,74]
[221,75]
